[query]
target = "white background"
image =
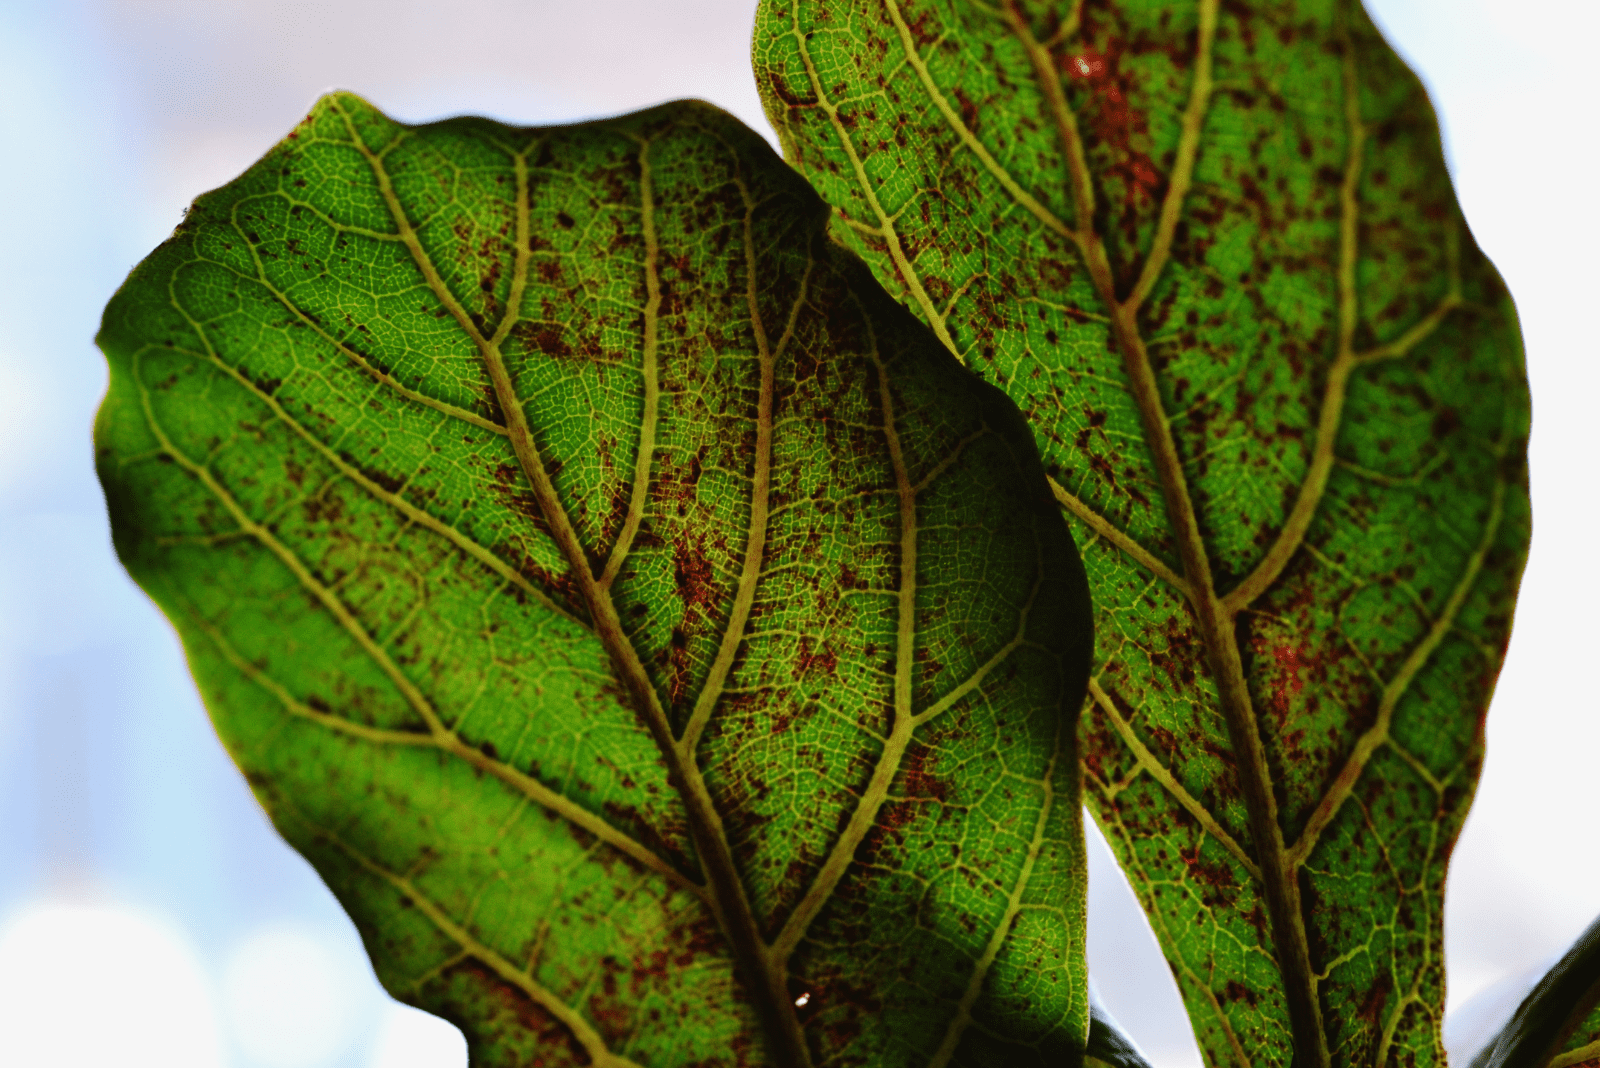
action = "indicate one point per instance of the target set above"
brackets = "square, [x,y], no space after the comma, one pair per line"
[148,915]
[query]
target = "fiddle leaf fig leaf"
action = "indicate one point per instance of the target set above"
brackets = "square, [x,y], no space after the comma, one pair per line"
[1212,252]
[666,652]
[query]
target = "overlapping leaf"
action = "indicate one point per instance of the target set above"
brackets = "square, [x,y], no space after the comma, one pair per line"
[1558,1024]
[1212,252]
[666,652]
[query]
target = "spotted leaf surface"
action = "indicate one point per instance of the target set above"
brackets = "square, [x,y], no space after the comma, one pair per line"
[1582,1050]
[664,649]
[1211,250]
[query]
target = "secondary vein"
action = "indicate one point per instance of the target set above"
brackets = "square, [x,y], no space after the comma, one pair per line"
[1118,538]
[582,1031]
[1169,782]
[886,229]
[1002,929]
[760,483]
[649,373]
[422,518]
[1344,783]
[904,722]
[450,742]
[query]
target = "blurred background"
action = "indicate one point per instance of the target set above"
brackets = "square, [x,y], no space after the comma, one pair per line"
[148,913]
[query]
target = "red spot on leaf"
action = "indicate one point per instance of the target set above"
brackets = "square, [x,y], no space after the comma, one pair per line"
[1114,122]
[820,658]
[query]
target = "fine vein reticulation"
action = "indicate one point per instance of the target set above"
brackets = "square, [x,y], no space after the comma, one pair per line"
[1212,253]
[664,649]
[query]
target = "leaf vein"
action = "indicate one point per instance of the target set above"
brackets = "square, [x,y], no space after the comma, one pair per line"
[438,735]
[570,1018]
[1169,782]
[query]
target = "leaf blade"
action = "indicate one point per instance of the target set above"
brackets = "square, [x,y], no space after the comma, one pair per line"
[588,567]
[1213,255]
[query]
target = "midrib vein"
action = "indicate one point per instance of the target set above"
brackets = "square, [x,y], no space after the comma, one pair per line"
[437,735]
[1215,623]
[730,904]
[416,515]
[932,315]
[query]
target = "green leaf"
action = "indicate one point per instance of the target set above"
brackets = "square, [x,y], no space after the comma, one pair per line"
[1583,1049]
[1558,1023]
[664,650]
[1213,254]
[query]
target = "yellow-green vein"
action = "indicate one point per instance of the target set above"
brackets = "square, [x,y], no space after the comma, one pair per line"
[760,484]
[1378,733]
[729,902]
[1161,774]
[1212,618]
[394,500]
[383,378]
[886,230]
[1119,540]
[1183,169]
[585,1035]
[437,735]
[648,372]
[1002,928]
[1577,1056]
[894,747]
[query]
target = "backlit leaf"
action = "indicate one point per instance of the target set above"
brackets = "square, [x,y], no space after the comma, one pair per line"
[1211,250]
[663,648]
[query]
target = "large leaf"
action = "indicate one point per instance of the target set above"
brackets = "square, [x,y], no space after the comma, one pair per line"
[1213,254]
[666,652]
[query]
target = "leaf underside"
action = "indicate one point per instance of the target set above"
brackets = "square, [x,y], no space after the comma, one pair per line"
[666,652]
[1212,252]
